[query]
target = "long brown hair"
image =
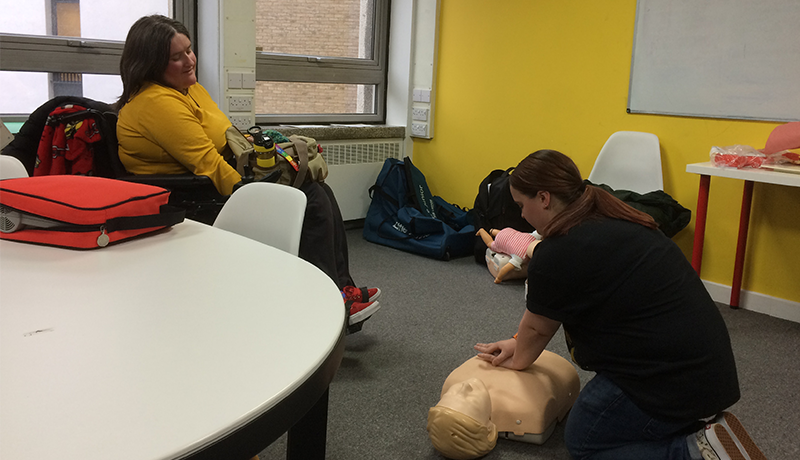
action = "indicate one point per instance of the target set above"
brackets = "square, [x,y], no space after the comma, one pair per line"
[554,172]
[146,53]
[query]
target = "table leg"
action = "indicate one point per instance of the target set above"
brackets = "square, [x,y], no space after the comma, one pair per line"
[741,245]
[306,439]
[700,222]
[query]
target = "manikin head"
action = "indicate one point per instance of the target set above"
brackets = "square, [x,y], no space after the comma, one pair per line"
[459,425]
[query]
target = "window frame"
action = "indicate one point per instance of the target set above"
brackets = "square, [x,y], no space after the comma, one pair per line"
[55,54]
[336,70]
[38,53]
[41,53]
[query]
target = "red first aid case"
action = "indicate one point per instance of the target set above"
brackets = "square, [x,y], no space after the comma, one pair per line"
[81,212]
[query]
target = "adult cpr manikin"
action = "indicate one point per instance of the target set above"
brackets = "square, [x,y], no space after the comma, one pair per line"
[480,402]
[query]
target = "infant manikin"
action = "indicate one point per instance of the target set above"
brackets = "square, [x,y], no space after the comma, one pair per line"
[499,402]
[508,252]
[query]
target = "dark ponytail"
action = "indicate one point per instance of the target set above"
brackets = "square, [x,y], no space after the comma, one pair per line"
[556,173]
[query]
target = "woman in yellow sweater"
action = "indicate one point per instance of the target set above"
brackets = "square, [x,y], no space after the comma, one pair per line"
[168,124]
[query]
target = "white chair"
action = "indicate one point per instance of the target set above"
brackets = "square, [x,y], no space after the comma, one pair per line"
[266,212]
[629,160]
[11,168]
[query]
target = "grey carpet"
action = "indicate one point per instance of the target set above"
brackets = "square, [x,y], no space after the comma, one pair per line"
[432,312]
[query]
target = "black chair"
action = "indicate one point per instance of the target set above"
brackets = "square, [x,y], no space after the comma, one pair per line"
[26,141]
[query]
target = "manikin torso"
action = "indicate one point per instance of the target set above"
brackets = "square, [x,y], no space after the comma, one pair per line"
[524,405]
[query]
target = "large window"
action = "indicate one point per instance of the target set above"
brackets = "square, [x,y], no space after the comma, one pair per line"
[52,48]
[321,60]
[316,60]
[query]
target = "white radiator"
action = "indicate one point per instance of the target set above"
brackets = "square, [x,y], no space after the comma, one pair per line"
[353,167]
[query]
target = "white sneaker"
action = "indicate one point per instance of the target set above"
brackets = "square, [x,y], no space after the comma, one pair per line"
[740,436]
[716,443]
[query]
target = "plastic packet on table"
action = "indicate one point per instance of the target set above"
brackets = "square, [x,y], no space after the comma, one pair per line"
[736,156]
[784,157]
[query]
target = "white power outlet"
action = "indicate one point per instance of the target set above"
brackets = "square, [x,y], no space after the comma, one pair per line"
[242,123]
[240,104]
[419,129]
[420,114]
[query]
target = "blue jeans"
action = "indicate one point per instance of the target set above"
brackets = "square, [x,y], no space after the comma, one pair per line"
[605,424]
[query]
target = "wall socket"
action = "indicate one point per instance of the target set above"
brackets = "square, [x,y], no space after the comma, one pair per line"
[242,123]
[419,129]
[420,114]
[240,104]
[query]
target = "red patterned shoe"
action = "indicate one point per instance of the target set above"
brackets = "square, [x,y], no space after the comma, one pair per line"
[360,311]
[360,294]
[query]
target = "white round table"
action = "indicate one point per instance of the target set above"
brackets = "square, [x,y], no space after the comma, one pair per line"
[190,343]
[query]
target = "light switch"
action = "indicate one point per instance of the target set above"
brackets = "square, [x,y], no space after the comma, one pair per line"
[424,95]
[234,80]
[248,80]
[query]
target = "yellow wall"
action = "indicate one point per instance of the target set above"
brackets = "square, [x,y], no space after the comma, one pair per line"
[515,76]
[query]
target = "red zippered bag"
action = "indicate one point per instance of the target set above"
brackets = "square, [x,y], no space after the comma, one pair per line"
[82,212]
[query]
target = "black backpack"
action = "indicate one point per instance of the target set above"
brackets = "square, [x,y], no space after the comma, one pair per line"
[670,216]
[494,208]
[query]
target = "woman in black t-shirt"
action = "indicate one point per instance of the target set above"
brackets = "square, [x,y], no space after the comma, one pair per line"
[635,312]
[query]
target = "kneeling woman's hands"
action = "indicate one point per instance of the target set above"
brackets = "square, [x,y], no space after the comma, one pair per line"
[497,353]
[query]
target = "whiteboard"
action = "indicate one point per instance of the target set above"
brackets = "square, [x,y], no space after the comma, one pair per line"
[717,58]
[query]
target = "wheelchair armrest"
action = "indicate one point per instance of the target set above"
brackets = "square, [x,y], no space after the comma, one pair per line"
[171,181]
[196,194]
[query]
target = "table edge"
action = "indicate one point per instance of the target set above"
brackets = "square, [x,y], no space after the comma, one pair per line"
[251,438]
[754,175]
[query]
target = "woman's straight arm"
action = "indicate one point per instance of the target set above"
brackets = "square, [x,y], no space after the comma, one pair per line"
[533,335]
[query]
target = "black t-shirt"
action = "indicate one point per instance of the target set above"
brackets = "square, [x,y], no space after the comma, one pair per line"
[634,309]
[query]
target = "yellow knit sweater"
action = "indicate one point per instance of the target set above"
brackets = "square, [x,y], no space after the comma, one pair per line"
[162,131]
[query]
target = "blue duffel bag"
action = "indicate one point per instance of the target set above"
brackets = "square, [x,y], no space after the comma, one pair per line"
[404,215]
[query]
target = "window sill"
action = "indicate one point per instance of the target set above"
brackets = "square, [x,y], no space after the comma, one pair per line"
[342,132]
